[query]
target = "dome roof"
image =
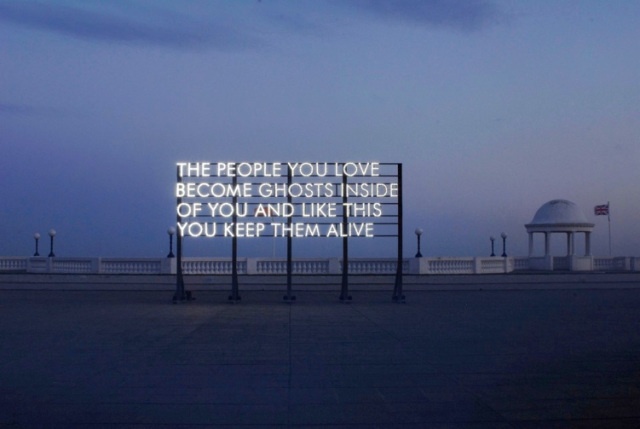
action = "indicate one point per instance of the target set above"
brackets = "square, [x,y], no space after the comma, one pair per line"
[559,212]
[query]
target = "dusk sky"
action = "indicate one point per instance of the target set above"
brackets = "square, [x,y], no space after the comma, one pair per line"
[493,107]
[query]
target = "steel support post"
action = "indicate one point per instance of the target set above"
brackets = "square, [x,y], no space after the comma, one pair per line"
[398,295]
[344,292]
[180,295]
[289,297]
[235,293]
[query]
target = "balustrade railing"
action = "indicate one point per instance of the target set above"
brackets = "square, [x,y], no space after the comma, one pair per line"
[492,265]
[212,266]
[377,266]
[451,266]
[72,266]
[561,263]
[616,264]
[131,266]
[13,264]
[309,266]
[271,267]
[298,266]
[521,263]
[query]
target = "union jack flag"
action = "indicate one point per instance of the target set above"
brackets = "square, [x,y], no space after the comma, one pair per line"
[601,210]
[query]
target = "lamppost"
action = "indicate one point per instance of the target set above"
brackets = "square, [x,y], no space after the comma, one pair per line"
[171,231]
[36,236]
[493,239]
[504,244]
[418,234]
[52,233]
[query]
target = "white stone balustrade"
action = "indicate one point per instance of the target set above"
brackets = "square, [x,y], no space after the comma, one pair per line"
[13,264]
[73,265]
[134,266]
[315,266]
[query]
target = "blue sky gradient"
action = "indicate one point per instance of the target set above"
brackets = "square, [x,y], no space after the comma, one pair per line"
[493,107]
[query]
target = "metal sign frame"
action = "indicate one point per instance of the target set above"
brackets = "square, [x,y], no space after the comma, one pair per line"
[181,294]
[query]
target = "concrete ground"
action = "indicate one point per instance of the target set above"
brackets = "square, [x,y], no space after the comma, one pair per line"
[524,359]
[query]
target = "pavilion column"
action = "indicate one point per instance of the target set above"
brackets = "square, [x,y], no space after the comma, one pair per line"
[587,243]
[573,243]
[570,244]
[546,244]
[530,244]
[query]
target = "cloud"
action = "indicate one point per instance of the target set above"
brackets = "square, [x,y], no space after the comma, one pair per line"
[151,28]
[465,15]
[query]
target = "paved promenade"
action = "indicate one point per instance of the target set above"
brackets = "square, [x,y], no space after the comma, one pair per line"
[494,359]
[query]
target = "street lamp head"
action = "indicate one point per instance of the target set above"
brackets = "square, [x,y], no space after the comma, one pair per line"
[171,231]
[52,232]
[419,231]
[492,238]
[36,236]
[503,235]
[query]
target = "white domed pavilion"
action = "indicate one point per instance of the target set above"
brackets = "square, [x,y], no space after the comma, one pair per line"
[563,217]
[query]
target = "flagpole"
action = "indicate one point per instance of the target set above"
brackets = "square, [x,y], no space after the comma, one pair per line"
[609,219]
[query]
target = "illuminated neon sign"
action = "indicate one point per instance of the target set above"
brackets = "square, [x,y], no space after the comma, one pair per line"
[286,199]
